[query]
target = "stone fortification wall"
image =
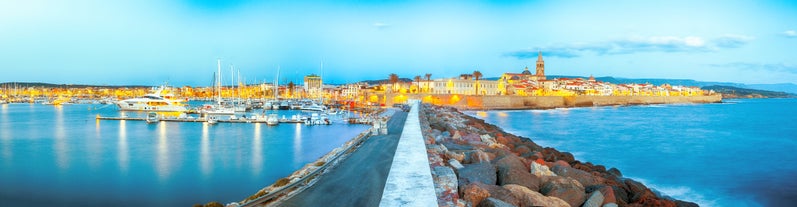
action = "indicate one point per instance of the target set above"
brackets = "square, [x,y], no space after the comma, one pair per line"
[547,102]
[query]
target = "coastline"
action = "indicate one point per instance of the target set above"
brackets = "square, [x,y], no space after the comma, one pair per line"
[500,102]
[477,163]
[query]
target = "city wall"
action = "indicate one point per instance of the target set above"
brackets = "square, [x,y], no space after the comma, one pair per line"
[497,102]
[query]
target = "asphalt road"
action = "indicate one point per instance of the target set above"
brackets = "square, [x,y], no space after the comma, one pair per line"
[359,179]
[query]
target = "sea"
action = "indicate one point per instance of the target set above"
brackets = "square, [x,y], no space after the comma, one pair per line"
[742,152]
[63,156]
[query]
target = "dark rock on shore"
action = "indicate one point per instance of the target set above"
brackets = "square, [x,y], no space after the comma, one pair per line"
[492,202]
[567,189]
[481,172]
[494,168]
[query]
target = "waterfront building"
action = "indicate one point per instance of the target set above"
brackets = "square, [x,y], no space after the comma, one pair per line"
[464,85]
[313,85]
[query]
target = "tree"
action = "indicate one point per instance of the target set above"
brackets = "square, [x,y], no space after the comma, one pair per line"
[477,75]
[418,83]
[428,79]
[393,80]
[290,88]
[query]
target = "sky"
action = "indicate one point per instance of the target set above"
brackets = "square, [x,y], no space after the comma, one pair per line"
[151,42]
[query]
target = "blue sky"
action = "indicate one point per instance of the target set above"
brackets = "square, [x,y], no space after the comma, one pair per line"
[152,41]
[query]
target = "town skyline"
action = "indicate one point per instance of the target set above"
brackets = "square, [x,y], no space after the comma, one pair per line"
[148,43]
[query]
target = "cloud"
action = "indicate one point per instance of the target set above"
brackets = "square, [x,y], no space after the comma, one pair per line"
[774,67]
[380,25]
[638,44]
[790,34]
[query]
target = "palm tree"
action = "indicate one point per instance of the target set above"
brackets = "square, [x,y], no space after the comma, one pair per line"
[393,80]
[418,83]
[477,75]
[290,89]
[428,81]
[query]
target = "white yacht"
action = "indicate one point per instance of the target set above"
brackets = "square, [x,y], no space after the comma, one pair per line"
[152,102]
[272,120]
[152,117]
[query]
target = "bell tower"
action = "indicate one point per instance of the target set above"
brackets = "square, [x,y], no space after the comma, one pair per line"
[540,67]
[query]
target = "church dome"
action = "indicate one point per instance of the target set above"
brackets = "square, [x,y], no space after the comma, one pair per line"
[526,71]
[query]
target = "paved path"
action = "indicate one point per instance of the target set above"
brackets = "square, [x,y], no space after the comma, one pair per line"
[409,182]
[359,179]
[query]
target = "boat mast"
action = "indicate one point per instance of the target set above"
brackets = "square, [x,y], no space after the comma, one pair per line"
[277,84]
[218,83]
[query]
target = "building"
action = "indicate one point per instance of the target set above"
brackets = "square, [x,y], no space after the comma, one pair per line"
[464,85]
[313,85]
[515,78]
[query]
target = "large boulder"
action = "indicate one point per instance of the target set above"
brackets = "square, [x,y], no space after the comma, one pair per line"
[511,170]
[500,193]
[493,202]
[639,194]
[585,178]
[540,170]
[481,172]
[528,197]
[445,186]
[606,191]
[474,193]
[595,200]
[568,189]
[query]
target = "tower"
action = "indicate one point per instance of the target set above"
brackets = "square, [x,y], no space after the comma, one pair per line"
[540,67]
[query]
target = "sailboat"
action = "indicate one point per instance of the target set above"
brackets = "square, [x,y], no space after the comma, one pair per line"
[218,108]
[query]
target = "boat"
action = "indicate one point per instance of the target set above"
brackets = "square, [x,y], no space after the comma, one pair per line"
[153,102]
[314,107]
[212,120]
[284,105]
[3,102]
[272,120]
[152,117]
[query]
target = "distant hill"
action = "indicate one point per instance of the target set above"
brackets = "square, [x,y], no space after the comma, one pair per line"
[50,85]
[736,92]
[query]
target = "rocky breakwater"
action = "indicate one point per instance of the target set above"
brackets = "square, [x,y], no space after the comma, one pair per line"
[477,164]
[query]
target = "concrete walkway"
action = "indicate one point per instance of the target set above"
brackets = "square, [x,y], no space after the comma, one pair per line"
[359,179]
[410,180]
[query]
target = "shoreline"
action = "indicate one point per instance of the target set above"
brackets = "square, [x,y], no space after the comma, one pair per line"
[477,163]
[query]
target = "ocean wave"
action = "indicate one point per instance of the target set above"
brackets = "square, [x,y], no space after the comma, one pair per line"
[679,192]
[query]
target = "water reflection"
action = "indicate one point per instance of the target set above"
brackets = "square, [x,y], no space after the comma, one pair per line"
[297,142]
[5,133]
[122,149]
[162,160]
[61,150]
[257,151]
[482,114]
[95,147]
[204,151]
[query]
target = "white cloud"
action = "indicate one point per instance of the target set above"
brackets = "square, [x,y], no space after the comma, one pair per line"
[638,44]
[790,33]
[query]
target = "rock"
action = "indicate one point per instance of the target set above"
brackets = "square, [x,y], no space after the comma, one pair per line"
[511,170]
[472,138]
[456,147]
[609,205]
[455,155]
[473,193]
[522,149]
[606,191]
[594,200]
[561,163]
[500,193]
[481,172]
[487,139]
[478,156]
[540,170]
[493,202]
[445,182]
[455,164]
[681,203]
[528,197]
[585,178]
[568,189]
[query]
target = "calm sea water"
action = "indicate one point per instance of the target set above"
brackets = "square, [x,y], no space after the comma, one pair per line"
[62,156]
[738,153]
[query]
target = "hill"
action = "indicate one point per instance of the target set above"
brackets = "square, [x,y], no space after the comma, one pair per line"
[736,92]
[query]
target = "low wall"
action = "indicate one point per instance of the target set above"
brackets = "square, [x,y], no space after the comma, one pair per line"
[474,102]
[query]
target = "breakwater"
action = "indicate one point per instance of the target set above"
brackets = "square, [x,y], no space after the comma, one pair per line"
[476,163]
[490,102]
